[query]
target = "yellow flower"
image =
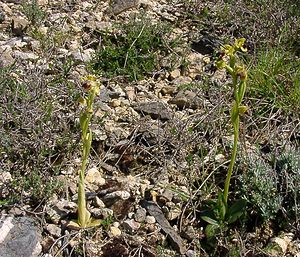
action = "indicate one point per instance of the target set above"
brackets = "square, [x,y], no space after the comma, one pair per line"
[221,64]
[96,88]
[228,50]
[239,44]
[90,82]
[241,72]
[90,77]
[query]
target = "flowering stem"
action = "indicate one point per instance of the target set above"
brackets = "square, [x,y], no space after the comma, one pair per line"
[84,216]
[239,77]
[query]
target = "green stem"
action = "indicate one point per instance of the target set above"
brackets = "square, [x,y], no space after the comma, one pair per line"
[81,187]
[82,211]
[233,156]
[81,200]
[235,122]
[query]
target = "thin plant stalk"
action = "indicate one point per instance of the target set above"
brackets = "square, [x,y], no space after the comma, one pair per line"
[222,214]
[239,78]
[236,124]
[84,217]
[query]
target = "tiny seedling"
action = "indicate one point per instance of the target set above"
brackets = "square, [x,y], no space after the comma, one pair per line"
[84,216]
[221,215]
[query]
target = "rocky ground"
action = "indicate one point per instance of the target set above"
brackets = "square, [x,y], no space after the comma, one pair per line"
[161,142]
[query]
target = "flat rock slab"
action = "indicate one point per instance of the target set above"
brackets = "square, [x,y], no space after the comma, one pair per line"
[174,238]
[187,99]
[156,110]
[119,6]
[19,237]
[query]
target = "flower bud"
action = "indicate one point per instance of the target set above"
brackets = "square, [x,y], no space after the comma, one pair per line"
[87,85]
[242,75]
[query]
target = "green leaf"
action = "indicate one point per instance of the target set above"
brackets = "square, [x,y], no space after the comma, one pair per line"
[73,224]
[241,91]
[82,120]
[236,210]
[221,64]
[242,109]
[234,113]
[94,222]
[222,206]
[212,230]
[210,220]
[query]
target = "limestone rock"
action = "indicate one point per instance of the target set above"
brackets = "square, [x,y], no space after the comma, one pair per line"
[54,230]
[175,74]
[157,110]
[59,209]
[6,57]
[111,198]
[19,237]
[140,215]
[186,99]
[119,6]
[25,56]
[82,56]
[94,176]
[98,202]
[150,219]
[5,177]
[114,231]
[131,226]
[173,214]
[191,253]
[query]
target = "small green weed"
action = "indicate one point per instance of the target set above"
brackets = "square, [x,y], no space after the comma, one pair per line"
[162,251]
[33,12]
[188,86]
[134,51]
[107,222]
[37,186]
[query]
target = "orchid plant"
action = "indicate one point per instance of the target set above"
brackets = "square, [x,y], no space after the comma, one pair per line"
[91,86]
[239,76]
[221,213]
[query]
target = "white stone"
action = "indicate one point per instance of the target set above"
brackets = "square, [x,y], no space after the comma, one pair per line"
[150,219]
[5,228]
[5,177]
[99,203]
[115,231]
[175,74]
[115,103]
[130,92]
[131,225]
[282,243]
[42,2]
[173,214]
[25,56]
[116,224]
[93,176]
[140,215]
[82,56]
[54,230]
